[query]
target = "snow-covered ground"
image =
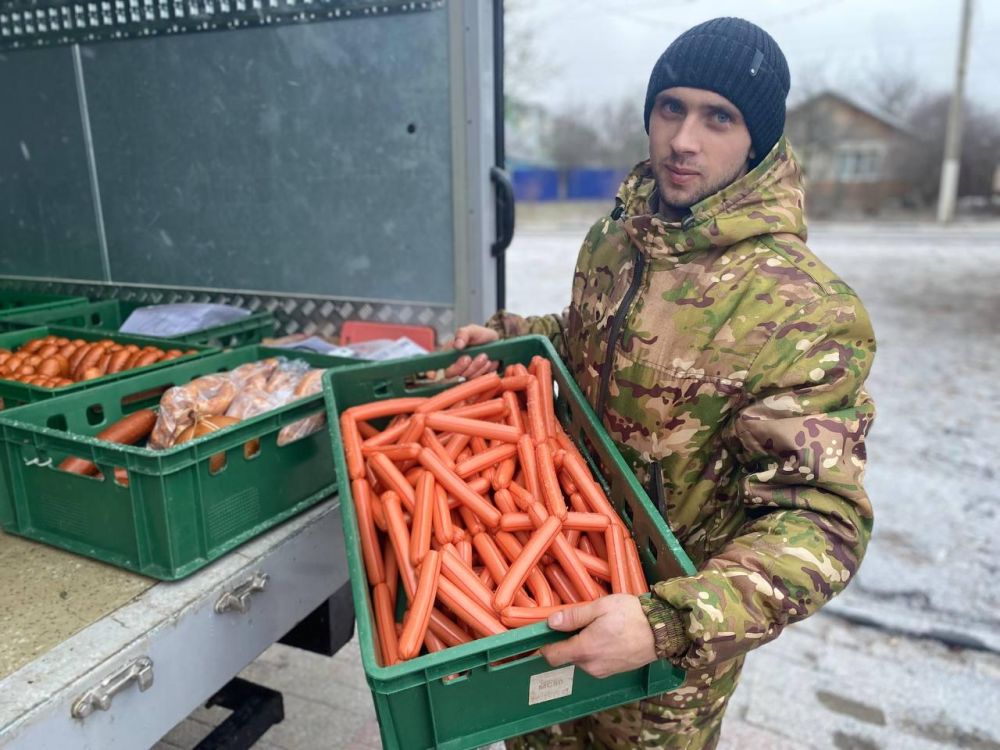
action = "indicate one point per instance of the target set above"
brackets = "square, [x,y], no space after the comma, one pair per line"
[932,568]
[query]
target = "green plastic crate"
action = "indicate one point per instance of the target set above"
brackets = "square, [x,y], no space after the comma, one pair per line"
[416,707]
[14,302]
[15,393]
[175,515]
[108,315]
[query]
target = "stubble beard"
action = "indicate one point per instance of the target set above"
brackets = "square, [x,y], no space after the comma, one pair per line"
[679,209]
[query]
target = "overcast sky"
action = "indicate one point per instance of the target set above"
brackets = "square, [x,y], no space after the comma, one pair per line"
[603,50]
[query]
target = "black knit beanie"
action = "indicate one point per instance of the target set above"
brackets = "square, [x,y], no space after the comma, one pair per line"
[736,59]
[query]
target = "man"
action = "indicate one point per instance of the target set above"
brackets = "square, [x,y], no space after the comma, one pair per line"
[728,363]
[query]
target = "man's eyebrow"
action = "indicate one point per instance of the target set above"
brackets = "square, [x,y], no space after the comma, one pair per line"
[726,110]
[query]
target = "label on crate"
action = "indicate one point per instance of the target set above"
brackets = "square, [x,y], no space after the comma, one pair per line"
[547,686]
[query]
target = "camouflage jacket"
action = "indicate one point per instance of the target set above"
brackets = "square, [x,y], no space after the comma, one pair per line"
[728,364]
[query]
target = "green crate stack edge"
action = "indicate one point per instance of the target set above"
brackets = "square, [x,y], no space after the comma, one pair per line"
[15,393]
[14,303]
[109,315]
[416,707]
[175,515]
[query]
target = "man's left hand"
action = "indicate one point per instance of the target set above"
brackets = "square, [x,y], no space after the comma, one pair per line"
[616,636]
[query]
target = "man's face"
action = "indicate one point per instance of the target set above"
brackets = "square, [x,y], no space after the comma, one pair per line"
[698,144]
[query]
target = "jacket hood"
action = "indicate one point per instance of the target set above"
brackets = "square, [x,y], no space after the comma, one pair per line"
[767,200]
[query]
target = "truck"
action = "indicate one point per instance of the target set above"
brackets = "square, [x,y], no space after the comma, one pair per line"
[326,161]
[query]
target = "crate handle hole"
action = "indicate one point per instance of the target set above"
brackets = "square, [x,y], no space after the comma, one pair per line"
[381,388]
[95,414]
[150,397]
[511,661]
[57,422]
[217,463]
[454,679]
[251,449]
[651,548]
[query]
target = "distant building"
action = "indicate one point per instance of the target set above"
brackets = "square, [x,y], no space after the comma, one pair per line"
[847,150]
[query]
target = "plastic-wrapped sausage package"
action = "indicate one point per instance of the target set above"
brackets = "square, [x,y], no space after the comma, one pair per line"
[247,391]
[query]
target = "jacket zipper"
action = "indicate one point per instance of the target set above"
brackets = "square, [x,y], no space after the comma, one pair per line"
[616,326]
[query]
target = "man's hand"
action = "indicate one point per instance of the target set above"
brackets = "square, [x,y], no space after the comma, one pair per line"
[469,367]
[616,636]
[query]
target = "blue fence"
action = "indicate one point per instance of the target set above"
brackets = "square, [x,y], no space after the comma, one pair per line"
[584,183]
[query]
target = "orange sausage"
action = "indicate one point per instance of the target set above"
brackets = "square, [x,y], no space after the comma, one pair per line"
[488,430]
[400,538]
[505,502]
[441,522]
[639,584]
[454,485]
[401,452]
[385,624]
[455,569]
[504,474]
[517,617]
[118,360]
[473,614]
[617,561]
[485,410]
[385,408]
[543,373]
[476,387]
[352,447]
[391,568]
[536,416]
[561,584]
[589,489]
[470,521]
[423,518]
[127,431]
[430,440]
[370,551]
[526,455]
[389,435]
[522,498]
[419,615]
[487,458]
[554,501]
[366,430]
[391,477]
[414,430]
[513,410]
[496,565]
[569,559]
[445,629]
[595,565]
[514,383]
[537,545]
[456,444]
[90,358]
[536,583]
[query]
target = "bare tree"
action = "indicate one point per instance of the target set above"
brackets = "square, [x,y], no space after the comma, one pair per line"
[918,161]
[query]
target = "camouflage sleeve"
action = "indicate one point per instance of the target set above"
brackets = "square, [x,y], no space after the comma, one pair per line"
[553,327]
[799,438]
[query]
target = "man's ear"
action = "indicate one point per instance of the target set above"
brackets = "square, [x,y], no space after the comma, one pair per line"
[752,155]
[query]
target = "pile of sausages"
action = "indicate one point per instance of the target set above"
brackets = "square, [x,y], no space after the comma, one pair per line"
[57,361]
[478,501]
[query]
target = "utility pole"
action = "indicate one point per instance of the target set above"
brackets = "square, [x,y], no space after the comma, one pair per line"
[953,138]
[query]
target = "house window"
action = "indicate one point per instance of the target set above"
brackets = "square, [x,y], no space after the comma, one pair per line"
[858,164]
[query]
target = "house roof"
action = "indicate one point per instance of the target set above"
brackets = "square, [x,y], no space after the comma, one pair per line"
[882,116]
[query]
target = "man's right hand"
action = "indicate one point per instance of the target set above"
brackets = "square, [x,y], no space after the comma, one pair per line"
[466,366]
